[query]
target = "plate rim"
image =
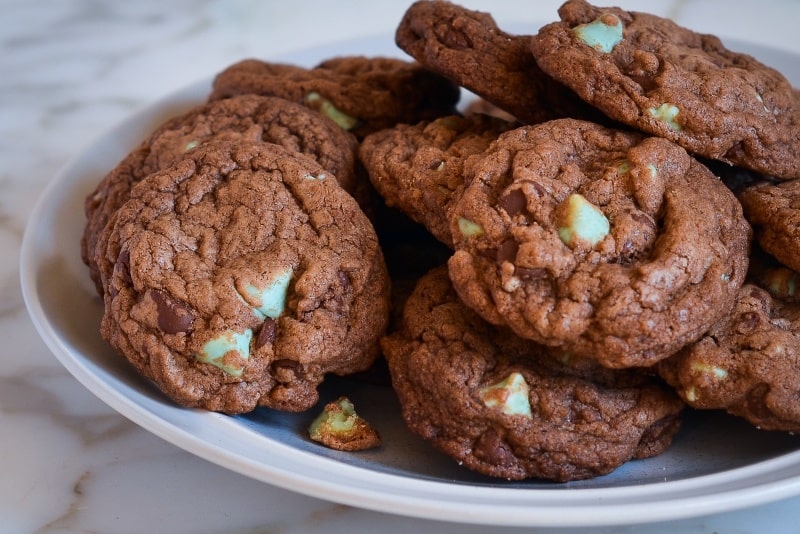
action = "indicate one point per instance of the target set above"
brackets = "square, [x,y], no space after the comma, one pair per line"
[562,507]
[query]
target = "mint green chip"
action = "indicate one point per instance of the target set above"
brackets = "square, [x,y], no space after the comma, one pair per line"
[469,228]
[326,107]
[509,395]
[666,113]
[273,296]
[602,34]
[190,145]
[214,350]
[583,222]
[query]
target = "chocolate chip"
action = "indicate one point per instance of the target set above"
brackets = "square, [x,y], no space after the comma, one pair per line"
[266,335]
[507,251]
[123,266]
[488,253]
[338,295]
[174,316]
[491,448]
[514,202]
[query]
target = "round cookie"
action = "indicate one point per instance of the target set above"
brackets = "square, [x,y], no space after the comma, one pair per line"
[247,117]
[774,211]
[469,48]
[506,407]
[609,244]
[240,276]
[361,94]
[647,72]
[749,362]
[419,168]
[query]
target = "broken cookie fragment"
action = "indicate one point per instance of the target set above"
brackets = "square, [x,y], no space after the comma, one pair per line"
[340,427]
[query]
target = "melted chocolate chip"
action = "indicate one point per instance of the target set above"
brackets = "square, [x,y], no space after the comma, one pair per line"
[488,253]
[123,266]
[507,251]
[514,202]
[338,295]
[174,316]
[491,448]
[266,335]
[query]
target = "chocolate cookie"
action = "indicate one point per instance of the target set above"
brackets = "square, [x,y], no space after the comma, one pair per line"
[469,48]
[609,244]
[774,211]
[249,117]
[361,94]
[650,73]
[419,168]
[240,276]
[748,363]
[505,407]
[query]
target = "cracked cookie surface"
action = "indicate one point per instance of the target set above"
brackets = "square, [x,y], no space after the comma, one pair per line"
[749,362]
[506,407]
[470,49]
[652,74]
[361,94]
[418,168]
[773,210]
[613,245]
[240,276]
[249,118]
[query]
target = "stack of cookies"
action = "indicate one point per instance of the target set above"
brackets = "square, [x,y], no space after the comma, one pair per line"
[567,272]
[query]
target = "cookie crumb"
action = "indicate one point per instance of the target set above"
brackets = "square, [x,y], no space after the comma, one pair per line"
[341,428]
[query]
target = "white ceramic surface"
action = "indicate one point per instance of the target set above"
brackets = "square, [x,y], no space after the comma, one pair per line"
[72,464]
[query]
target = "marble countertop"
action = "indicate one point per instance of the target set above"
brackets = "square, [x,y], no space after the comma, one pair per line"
[71,70]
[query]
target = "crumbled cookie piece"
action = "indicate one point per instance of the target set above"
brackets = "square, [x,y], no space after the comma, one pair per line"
[339,427]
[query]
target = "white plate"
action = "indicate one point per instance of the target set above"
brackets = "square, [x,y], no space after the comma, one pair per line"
[716,463]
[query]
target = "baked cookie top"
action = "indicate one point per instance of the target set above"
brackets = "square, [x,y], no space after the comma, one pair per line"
[470,49]
[774,211]
[615,246]
[419,168]
[749,362]
[361,94]
[650,73]
[247,118]
[506,407]
[240,276]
